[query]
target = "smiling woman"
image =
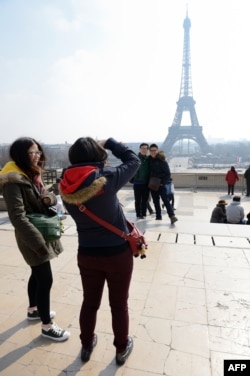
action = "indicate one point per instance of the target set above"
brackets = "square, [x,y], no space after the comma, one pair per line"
[25,194]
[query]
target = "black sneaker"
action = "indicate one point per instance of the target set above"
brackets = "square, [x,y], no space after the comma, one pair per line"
[34,315]
[55,333]
[173,220]
[85,353]
[122,357]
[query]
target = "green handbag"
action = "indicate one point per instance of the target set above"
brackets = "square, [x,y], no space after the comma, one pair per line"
[49,226]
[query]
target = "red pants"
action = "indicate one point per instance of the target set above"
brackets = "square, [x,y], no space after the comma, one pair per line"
[117,271]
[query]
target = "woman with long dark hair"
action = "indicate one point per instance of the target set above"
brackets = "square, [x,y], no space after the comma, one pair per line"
[24,193]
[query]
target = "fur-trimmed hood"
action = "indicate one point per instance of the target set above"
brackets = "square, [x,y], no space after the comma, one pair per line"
[159,167]
[161,155]
[21,198]
[11,173]
[80,183]
[96,185]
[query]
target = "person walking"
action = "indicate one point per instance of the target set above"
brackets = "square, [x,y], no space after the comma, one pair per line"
[247,178]
[231,178]
[219,214]
[102,255]
[159,169]
[235,212]
[24,193]
[140,183]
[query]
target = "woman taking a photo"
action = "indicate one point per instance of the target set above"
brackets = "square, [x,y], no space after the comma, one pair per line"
[102,255]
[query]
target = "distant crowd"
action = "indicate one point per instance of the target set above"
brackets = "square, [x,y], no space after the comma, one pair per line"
[234,212]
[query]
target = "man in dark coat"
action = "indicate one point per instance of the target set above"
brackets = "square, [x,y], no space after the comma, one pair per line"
[140,183]
[247,177]
[159,168]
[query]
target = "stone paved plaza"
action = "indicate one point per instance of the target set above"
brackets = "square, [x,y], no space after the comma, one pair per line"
[189,299]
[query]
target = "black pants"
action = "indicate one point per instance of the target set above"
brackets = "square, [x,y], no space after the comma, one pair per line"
[161,193]
[39,287]
[248,187]
[141,193]
[230,189]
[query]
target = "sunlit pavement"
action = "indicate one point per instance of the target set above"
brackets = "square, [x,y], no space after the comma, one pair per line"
[189,300]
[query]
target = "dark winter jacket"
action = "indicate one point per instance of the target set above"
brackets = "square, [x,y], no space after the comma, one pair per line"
[96,186]
[218,214]
[22,198]
[247,174]
[159,167]
[142,175]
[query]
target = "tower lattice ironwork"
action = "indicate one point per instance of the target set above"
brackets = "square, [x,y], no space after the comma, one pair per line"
[186,103]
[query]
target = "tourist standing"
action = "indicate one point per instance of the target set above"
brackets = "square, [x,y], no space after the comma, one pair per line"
[159,168]
[231,178]
[140,183]
[247,177]
[24,193]
[103,257]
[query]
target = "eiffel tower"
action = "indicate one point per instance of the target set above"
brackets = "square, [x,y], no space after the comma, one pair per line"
[186,103]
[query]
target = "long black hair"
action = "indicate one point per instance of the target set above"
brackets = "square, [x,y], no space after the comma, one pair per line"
[19,154]
[86,149]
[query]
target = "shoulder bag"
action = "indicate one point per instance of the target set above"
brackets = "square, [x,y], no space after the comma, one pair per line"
[49,226]
[136,239]
[154,183]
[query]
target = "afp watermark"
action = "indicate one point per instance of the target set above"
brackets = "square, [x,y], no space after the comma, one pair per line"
[236,367]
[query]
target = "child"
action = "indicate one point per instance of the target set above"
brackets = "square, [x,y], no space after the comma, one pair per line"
[170,192]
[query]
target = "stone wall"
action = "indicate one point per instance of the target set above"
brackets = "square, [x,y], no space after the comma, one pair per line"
[188,180]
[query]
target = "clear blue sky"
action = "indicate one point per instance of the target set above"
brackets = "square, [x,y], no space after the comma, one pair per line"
[102,68]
